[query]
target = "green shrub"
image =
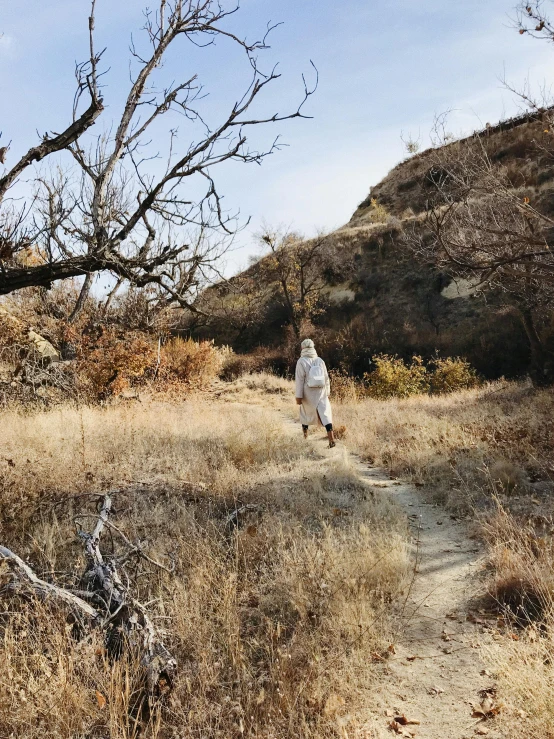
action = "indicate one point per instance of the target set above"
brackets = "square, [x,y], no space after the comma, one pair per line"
[392,378]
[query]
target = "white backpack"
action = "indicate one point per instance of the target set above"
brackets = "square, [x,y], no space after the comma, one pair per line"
[316,375]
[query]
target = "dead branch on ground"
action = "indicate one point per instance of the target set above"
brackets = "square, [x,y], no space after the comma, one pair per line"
[102,601]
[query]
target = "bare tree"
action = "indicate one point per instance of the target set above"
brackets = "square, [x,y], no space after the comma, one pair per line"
[107,208]
[479,227]
[297,266]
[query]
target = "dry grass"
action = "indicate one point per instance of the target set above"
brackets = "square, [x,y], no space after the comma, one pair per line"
[487,451]
[271,623]
[461,445]
[522,585]
[525,676]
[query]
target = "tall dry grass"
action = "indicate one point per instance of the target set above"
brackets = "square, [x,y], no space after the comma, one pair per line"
[522,586]
[271,622]
[458,444]
[487,452]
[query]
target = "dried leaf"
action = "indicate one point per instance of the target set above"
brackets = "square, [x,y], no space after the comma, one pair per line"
[100,699]
[436,690]
[486,709]
[403,721]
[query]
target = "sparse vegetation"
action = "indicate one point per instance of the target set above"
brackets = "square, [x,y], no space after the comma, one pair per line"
[458,444]
[271,619]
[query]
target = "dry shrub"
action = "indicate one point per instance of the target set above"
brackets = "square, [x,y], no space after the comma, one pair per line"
[258,361]
[12,331]
[112,361]
[266,383]
[522,565]
[258,389]
[508,476]
[344,387]
[271,621]
[195,363]
[393,378]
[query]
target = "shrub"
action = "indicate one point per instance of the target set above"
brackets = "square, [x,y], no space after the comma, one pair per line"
[452,374]
[196,363]
[12,331]
[393,378]
[111,363]
[260,360]
[344,387]
[377,212]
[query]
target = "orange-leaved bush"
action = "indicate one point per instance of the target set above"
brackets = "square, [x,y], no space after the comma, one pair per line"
[111,363]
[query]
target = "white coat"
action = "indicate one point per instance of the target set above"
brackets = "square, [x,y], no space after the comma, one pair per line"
[315,400]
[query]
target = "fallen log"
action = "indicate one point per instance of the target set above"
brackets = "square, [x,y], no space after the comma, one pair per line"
[102,601]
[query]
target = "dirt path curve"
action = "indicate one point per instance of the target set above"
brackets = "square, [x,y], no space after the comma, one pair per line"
[435,675]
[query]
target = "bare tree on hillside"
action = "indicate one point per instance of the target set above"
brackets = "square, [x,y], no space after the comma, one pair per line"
[480,227]
[102,205]
[298,267]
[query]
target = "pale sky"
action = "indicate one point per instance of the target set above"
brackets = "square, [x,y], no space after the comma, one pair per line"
[385,67]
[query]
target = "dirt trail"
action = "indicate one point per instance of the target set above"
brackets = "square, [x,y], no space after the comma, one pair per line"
[436,673]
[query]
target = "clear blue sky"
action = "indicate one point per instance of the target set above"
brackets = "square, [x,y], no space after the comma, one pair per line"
[385,67]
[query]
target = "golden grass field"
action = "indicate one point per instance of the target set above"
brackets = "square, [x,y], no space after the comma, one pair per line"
[272,623]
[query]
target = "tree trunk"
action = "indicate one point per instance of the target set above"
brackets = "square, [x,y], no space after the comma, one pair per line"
[81,300]
[111,296]
[541,363]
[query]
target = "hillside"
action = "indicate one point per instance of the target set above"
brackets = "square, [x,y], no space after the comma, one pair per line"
[377,297]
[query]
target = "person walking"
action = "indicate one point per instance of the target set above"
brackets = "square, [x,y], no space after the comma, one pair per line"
[312,391]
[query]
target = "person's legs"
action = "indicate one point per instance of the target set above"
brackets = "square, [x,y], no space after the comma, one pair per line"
[305,431]
[330,435]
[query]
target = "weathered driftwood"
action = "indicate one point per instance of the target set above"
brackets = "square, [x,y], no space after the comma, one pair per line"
[104,602]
